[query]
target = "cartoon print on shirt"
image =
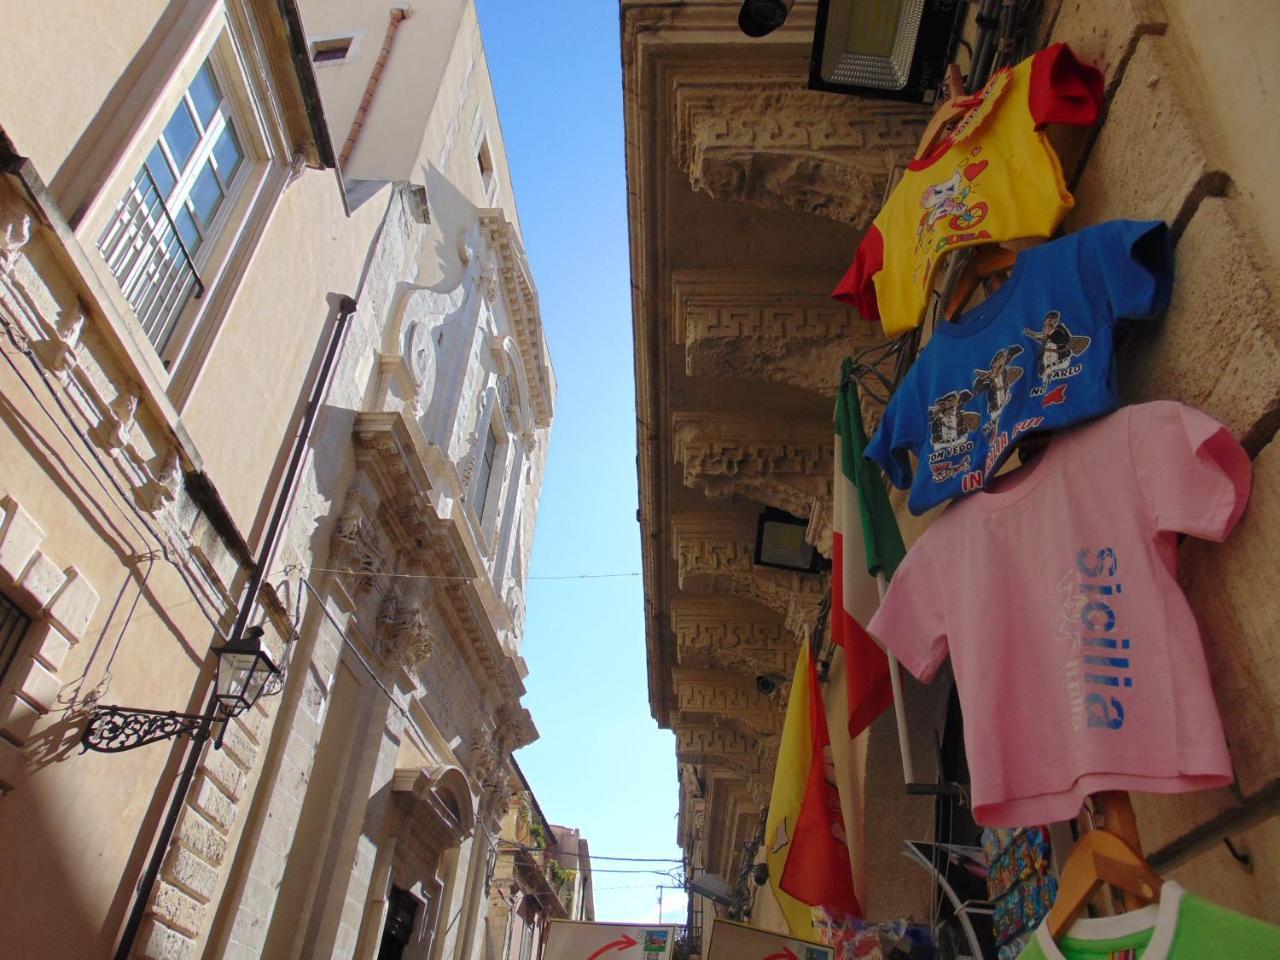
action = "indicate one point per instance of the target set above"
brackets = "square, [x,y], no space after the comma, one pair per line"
[949,199]
[1056,348]
[949,422]
[996,383]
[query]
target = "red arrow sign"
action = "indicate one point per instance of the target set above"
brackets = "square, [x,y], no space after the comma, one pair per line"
[785,954]
[625,943]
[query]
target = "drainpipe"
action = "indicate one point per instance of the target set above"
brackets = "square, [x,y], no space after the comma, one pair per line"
[346,307]
[398,16]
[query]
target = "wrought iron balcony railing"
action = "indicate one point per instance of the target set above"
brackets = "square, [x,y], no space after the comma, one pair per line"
[147,256]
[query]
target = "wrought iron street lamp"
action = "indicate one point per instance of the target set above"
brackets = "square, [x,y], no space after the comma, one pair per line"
[244,668]
[886,49]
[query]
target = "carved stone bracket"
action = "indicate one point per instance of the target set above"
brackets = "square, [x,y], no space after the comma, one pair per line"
[356,545]
[728,697]
[775,462]
[740,325]
[776,146]
[722,634]
[404,631]
[714,554]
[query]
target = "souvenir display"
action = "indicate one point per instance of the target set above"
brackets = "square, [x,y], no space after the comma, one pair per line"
[1019,884]
[1037,355]
[1077,659]
[995,178]
[1181,927]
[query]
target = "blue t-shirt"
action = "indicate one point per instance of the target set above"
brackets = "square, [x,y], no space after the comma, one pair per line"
[1036,355]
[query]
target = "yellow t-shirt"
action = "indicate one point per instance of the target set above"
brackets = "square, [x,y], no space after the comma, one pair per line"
[995,178]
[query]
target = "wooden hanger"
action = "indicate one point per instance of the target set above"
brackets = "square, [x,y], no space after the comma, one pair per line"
[1099,857]
[957,105]
[987,261]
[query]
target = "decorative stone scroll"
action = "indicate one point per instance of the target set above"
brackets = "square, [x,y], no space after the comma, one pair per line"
[714,554]
[741,325]
[780,463]
[777,146]
[724,634]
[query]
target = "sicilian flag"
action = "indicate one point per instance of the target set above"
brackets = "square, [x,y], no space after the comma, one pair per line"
[808,853]
[866,542]
[790,781]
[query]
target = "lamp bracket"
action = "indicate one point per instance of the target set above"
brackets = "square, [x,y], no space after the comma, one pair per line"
[114,729]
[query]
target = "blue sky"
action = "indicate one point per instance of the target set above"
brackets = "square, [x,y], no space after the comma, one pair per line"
[602,764]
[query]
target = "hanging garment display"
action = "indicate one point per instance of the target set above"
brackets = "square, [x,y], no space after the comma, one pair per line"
[1037,355]
[1181,927]
[995,178]
[1077,659]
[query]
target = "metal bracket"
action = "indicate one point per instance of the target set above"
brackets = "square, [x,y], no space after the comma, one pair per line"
[115,729]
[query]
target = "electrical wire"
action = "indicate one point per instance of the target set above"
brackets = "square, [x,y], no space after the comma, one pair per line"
[455,579]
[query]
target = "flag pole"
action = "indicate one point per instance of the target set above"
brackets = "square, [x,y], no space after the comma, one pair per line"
[899,708]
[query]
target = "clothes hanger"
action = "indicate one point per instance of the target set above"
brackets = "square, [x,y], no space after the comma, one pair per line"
[986,262]
[1100,857]
[957,105]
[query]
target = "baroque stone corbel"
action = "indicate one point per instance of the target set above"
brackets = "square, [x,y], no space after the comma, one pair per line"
[714,554]
[112,432]
[15,232]
[775,145]
[787,329]
[780,463]
[404,633]
[58,353]
[723,634]
[163,483]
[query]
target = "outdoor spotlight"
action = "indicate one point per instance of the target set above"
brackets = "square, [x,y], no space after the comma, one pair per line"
[780,543]
[760,17]
[886,49]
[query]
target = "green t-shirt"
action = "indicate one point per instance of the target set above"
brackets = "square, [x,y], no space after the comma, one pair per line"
[1181,927]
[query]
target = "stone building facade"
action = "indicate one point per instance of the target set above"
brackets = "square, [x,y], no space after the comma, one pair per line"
[194,196]
[748,194]
[541,872]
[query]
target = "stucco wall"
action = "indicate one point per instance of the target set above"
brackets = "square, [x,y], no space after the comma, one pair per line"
[94,46]
[274,335]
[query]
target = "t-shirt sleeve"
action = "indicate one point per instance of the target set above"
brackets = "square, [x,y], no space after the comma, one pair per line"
[858,287]
[895,436]
[1130,264]
[1193,474]
[910,623]
[1064,90]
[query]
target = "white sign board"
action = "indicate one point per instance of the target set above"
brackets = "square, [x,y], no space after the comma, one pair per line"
[572,940]
[735,941]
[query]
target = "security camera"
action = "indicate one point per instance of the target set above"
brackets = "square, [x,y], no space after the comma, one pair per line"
[760,874]
[760,17]
[767,683]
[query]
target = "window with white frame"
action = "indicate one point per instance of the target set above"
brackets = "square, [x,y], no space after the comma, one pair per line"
[169,213]
[484,470]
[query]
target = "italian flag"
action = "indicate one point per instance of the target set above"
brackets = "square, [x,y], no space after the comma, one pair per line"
[866,542]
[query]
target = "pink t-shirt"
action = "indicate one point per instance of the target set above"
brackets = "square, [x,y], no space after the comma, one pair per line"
[1078,661]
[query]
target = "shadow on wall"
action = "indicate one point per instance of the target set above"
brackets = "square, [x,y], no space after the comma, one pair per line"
[453,217]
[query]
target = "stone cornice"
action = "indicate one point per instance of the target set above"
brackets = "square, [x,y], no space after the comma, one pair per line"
[421,513]
[522,298]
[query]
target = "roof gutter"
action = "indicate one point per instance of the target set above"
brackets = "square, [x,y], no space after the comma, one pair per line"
[300,53]
[398,16]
